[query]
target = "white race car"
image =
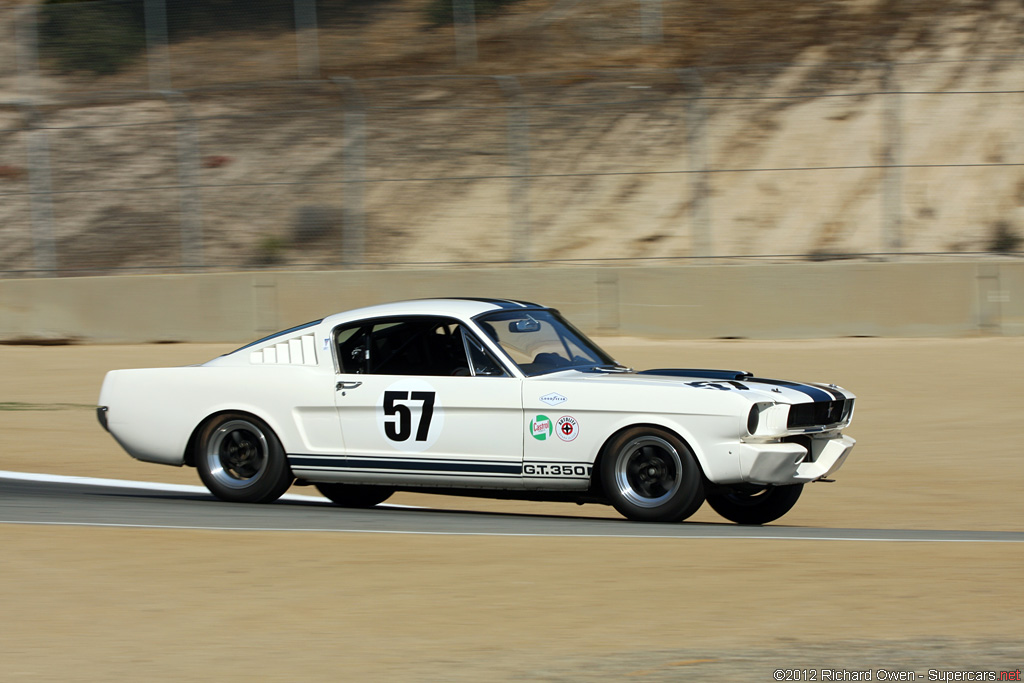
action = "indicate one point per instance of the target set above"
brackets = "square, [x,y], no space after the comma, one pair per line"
[478,397]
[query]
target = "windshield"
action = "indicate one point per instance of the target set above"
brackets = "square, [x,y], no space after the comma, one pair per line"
[541,341]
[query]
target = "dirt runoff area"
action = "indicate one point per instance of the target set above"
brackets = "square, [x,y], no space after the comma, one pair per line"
[938,425]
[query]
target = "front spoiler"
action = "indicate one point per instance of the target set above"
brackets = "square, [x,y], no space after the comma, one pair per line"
[789,463]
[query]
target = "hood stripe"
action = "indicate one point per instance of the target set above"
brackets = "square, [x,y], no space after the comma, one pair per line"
[815,393]
[839,396]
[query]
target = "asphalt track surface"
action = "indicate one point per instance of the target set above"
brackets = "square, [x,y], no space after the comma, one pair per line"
[34,499]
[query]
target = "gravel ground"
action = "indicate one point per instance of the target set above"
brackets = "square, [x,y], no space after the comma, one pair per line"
[935,451]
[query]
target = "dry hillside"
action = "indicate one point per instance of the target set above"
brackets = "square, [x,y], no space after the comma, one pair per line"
[613,140]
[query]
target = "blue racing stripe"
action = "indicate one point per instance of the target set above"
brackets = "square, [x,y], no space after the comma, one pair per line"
[814,392]
[834,391]
[407,464]
[454,466]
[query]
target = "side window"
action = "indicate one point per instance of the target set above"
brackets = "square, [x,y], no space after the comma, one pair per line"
[353,349]
[482,362]
[417,345]
[392,351]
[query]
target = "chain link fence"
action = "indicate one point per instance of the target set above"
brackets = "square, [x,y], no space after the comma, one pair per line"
[175,170]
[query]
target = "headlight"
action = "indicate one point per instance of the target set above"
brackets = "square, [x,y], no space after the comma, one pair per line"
[768,419]
[753,418]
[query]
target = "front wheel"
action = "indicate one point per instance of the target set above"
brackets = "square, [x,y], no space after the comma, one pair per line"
[650,475]
[354,495]
[241,461]
[752,504]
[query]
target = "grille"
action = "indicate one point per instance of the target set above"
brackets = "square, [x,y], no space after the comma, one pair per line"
[819,414]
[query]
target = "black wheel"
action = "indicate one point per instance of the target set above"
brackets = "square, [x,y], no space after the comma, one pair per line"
[650,475]
[752,504]
[240,460]
[354,495]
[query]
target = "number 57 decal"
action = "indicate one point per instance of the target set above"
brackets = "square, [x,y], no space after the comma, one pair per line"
[400,428]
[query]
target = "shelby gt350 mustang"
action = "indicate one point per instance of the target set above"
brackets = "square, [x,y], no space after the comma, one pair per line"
[480,397]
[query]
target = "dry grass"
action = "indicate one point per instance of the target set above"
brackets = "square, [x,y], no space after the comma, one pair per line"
[438,156]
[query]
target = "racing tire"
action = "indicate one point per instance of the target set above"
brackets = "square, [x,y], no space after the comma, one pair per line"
[752,504]
[354,495]
[240,460]
[650,475]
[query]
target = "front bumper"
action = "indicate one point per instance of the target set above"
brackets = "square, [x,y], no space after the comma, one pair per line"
[791,463]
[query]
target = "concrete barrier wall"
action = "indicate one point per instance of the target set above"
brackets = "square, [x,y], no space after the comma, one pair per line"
[712,301]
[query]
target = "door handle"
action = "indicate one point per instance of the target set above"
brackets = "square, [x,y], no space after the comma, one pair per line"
[347,385]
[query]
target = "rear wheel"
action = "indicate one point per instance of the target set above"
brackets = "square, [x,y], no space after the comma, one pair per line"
[753,504]
[354,495]
[650,475]
[240,460]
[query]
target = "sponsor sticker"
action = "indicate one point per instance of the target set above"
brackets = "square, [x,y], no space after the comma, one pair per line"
[567,428]
[553,399]
[540,427]
[557,469]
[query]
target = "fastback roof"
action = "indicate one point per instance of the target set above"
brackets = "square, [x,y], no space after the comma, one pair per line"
[459,307]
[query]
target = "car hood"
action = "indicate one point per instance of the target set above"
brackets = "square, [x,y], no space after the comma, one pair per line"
[745,384]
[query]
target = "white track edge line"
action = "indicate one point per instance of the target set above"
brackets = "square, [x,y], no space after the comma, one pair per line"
[145,485]
[634,537]
[187,488]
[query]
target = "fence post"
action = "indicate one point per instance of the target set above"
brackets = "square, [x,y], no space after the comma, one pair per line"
[188,180]
[353,215]
[157,53]
[26,32]
[651,21]
[464,25]
[41,203]
[697,166]
[892,159]
[519,162]
[306,40]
